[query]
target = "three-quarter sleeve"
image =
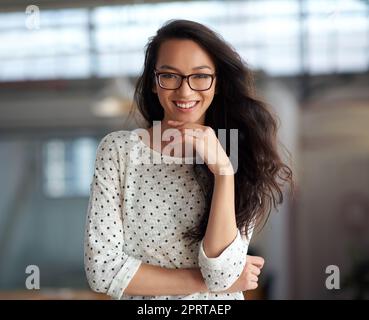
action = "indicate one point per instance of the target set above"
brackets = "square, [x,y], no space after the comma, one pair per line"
[221,272]
[108,268]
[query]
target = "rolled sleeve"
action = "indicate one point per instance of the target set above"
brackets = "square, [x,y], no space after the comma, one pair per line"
[109,269]
[221,272]
[123,277]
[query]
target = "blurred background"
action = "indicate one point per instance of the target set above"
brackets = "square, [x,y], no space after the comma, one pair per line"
[67,73]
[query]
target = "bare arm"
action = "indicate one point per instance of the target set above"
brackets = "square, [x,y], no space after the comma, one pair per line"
[221,229]
[222,252]
[158,281]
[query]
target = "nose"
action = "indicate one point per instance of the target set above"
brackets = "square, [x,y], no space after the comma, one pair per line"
[184,89]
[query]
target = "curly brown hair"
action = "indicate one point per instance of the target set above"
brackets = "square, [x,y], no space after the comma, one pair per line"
[261,173]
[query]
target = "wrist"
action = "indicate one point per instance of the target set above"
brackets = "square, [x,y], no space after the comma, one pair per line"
[197,280]
[224,170]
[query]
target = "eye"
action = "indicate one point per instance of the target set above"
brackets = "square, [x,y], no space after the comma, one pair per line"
[168,76]
[201,76]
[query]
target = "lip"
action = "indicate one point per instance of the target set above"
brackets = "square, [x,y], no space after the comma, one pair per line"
[188,101]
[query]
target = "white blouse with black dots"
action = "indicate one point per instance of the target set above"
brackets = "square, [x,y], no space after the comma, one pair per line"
[138,212]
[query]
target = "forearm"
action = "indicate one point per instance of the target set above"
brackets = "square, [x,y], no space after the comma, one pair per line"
[152,280]
[222,228]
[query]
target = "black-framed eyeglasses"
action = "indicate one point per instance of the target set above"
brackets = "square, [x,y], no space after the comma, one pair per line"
[173,81]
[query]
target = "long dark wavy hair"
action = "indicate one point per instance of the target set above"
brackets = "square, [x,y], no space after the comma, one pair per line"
[261,173]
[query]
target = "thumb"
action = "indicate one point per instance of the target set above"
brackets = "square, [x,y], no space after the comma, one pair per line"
[256,260]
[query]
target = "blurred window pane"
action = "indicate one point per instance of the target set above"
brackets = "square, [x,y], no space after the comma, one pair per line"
[68,166]
[109,40]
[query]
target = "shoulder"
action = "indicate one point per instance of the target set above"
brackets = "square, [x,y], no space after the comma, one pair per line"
[119,139]
[120,143]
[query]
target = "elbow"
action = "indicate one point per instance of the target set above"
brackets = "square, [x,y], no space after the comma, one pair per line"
[95,281]
[220,280]
[222,276]
[95,285]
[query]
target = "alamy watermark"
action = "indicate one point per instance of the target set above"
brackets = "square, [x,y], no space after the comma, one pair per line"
[333,280]
[33,280]
[32,21]
[194,148]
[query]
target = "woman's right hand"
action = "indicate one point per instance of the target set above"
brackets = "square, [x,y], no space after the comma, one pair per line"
[249,277]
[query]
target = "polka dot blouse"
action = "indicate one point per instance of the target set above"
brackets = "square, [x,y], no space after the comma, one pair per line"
[138,212]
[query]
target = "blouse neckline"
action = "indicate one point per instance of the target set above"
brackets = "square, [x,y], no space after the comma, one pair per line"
[164,156]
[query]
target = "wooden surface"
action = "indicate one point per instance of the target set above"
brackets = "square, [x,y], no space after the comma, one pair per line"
[71,294]
[59,294]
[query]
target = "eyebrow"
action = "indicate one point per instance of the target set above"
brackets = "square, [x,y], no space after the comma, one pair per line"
[175,69]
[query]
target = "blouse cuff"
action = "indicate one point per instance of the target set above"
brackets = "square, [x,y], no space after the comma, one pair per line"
[221,272]
[123,278]
[225,258]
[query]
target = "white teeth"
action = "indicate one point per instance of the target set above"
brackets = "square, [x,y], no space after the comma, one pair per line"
[185,105]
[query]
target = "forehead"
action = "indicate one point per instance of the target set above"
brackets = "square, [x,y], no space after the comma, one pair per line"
[183,54]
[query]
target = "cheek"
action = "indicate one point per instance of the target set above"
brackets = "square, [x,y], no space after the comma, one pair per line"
[163,96]
[209,97]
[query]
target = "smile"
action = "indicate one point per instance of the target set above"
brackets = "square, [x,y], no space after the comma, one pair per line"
[185,105]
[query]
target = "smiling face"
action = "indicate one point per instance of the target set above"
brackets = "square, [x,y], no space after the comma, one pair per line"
[184,57]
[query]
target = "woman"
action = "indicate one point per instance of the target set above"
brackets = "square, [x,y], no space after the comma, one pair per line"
[181,230]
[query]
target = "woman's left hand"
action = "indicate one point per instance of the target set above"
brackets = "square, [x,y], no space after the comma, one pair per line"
[206,144]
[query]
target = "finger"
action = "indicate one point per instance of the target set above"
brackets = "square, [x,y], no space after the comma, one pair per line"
[172,132]
[189,134]
[176,140]
[251,268]
[255,270]
[186,125]
[197,133]
[261,262]
[252,285]
[175,123]
[183,139]
[255,260]
[253,277]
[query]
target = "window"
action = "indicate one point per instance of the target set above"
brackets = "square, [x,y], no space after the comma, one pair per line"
[68,166]
[107,41]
